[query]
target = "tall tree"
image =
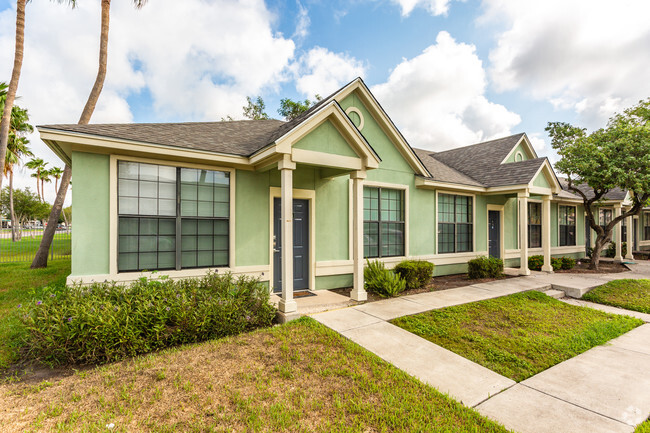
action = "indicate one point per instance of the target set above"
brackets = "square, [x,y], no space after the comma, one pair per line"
[5,123]
[16,149]
[38,165]
[617,156]
[254,110]
[290,109]
[40,259]
[56,173]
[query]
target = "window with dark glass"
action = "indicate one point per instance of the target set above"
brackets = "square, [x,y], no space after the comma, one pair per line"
[605,216]
[455,223]
[534,225]
[567,225]
[646,226]
[171,217]
[383,222]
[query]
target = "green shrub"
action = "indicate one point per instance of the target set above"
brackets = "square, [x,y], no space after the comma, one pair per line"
[485,267]
[568,263]
[535,263]
[416,273]
[611,250]
[556,263]
[382,281]
[105,322]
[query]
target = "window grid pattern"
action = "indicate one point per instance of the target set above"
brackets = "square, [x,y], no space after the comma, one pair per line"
[605,217]
[646,226]
[455,223]
[567,216]
[154,235]
[534,225]
[383,226]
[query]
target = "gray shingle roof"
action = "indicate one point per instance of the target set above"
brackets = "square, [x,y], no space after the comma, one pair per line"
[242,137]
[441,172]
[480,164]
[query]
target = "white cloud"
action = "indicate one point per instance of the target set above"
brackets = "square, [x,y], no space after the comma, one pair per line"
[302,23]
[321,71]
[196,60]
[438,98]
[589,57]
[434,7]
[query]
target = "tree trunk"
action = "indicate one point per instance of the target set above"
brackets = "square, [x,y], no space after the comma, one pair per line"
[40,260]
[15,233]
[5,123]
[595,254]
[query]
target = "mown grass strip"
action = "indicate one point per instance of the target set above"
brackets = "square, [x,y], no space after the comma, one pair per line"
[19,284]
[519,335]
[629,294]
[299,377]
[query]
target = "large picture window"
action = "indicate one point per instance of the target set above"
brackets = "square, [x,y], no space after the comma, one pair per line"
[383,222]
[171,217]
[646,226]
[567,225]
[455,223]
[534,225]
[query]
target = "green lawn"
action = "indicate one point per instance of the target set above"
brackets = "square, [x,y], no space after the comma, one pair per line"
[628,294]
[299,377]
[26,248]
[519,335]
[18,285]
[643,427]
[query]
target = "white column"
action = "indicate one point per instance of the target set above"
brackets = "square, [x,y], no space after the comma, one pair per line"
[358,289]
[618,228]
[523,232]
[546,233]
[286,167]
[630,238]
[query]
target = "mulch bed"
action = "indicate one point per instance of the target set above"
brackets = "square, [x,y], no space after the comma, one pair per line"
[603,268]
[443,282]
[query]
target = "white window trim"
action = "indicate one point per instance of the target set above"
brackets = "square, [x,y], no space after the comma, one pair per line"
[114,217]
[534,200]
[558,224]
[375,184]
[519,155]
[435,218]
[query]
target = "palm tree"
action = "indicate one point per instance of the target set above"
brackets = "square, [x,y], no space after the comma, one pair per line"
[56,173]
[16,149]
[38,165]
[40,259]
[5,123]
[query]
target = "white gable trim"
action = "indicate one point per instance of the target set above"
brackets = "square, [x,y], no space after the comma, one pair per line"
[384,122]
[528,147]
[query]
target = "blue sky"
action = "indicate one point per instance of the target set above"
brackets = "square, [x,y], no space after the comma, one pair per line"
[449,73]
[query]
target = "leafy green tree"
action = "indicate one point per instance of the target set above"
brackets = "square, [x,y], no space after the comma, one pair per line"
[254,110]
[617,156]
[290,109]
[27,205]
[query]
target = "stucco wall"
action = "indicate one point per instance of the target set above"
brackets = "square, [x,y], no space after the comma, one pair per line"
[90,207]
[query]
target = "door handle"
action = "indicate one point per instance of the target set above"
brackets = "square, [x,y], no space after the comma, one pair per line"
[276,250]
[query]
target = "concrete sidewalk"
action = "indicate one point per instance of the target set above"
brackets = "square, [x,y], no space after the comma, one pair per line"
[606,389]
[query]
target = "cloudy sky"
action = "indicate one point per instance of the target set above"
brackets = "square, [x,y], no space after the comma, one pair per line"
[449,73]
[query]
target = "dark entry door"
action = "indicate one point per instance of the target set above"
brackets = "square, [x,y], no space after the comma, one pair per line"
[635,234]
[300,245]
[494,233]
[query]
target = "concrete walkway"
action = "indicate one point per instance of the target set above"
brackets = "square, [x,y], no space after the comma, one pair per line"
[606,389]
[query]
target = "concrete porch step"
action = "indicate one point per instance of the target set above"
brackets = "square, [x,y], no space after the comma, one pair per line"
[557,294]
